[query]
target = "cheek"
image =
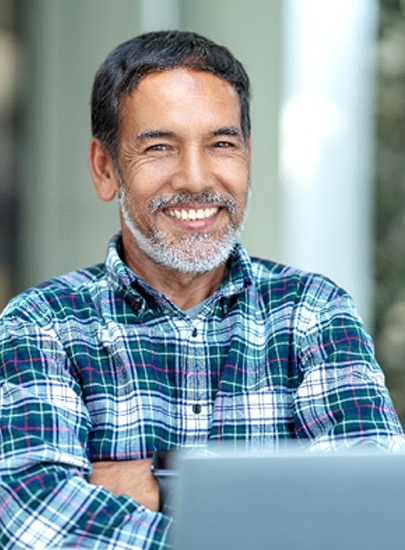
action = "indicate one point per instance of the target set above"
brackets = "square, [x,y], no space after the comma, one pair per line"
[153,172]
[238,185]
[236,172]
[136,203]
[148,185]
[141,188]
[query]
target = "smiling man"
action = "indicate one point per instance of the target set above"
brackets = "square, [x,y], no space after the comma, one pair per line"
[179,339]
[182,173]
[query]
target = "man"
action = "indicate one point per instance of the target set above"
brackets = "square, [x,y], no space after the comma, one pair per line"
[179,339]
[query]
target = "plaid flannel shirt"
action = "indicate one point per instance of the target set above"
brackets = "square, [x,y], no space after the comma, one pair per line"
[97,365]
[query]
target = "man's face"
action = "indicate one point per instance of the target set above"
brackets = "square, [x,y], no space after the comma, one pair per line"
[183,169]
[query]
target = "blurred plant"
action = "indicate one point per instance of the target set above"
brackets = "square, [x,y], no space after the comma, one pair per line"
[389,331]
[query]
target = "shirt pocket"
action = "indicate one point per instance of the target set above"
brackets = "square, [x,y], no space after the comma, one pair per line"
[259,417]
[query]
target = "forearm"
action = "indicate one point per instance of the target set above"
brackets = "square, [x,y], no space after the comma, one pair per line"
[129,477]
[342,397]
[352,409]
[52,507]
[46,499]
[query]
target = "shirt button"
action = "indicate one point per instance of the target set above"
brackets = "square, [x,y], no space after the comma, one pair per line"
[193,332]
[197,408]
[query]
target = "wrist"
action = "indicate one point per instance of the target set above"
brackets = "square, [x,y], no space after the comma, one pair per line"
[164,472]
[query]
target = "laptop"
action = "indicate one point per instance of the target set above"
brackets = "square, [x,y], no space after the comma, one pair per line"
[289,501]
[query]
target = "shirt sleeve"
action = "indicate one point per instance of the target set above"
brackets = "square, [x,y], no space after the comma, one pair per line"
[46,500]
[342,399]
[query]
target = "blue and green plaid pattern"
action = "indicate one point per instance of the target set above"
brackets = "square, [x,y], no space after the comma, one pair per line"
[97,365]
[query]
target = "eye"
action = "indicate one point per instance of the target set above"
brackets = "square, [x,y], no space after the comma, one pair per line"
[223,144]
[157,147]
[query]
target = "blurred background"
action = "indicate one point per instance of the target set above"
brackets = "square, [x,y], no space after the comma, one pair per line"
[328,114]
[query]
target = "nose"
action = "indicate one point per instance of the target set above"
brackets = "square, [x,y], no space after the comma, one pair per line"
[193,170]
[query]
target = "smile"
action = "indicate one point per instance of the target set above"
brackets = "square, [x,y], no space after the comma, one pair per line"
[192,214]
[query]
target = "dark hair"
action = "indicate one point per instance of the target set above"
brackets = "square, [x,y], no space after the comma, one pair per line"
[151,52]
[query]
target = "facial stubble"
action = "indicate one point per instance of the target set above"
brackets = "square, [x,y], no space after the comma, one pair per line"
[191,251]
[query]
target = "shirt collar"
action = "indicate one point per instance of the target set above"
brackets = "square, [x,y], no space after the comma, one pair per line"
[122,279]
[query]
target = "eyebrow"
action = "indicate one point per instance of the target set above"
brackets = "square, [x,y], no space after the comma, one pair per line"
[145,135]
[228,131]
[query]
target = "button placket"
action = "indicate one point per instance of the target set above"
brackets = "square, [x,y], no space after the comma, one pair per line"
[198,389]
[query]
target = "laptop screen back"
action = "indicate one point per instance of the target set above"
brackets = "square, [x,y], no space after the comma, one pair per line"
[291,501]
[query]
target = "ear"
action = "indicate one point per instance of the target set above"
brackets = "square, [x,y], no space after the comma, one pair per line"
[102,170]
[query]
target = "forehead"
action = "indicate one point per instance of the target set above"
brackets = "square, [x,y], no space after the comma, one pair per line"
[179,93]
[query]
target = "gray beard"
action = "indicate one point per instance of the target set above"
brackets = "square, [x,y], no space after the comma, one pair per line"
[197,252]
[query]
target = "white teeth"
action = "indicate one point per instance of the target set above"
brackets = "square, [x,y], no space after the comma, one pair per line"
[192,214]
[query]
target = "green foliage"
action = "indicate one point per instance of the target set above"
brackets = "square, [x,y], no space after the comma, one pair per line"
[390,200]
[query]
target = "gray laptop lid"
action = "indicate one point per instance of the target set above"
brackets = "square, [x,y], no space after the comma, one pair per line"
[291,501]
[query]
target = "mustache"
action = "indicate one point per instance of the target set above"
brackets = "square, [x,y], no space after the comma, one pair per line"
[183,198]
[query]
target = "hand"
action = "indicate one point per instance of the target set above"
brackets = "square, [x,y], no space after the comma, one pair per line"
[130,477]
